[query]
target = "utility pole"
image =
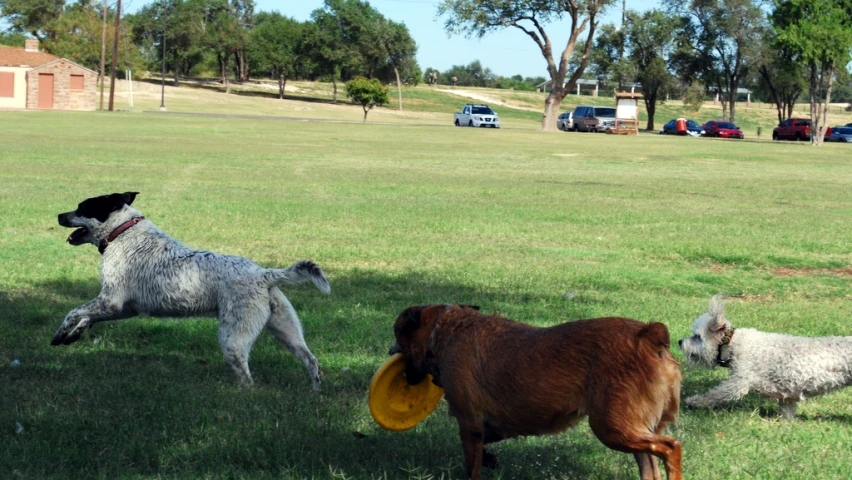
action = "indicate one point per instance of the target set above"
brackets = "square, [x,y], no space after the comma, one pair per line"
[114,56]
[623,25]
[103,54]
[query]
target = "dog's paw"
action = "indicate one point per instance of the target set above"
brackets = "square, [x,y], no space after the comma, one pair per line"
[489,460]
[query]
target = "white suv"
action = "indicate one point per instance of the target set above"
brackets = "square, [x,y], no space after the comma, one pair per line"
[564,121]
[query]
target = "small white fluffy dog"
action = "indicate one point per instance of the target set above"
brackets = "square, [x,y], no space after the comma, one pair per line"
[784,367]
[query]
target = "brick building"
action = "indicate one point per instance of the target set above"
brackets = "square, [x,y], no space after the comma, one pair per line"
[38,80]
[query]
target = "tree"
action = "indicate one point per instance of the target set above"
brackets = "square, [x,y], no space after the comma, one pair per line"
[480,17]
[367,93]
[778,78]
[717,38]
[223,35]
[607,57]
[399,50]
[243,10]
[818,33]
[275,45]
[471,75]
[650,39]
[78,37]
[12,39]
[35,17]
[334,39]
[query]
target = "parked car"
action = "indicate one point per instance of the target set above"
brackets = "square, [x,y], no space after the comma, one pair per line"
[477,116]
[722,129]
[564,121]
[692,128]
[840,134]
[588,118]
[793,129]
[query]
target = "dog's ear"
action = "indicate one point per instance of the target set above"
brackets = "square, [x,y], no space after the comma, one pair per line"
[475,307]
[656,333]
[410,321]
[128,197]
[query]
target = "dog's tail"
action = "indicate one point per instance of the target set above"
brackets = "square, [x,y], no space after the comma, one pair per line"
[299,272]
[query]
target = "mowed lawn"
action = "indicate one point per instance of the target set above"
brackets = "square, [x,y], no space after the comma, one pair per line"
[542,228]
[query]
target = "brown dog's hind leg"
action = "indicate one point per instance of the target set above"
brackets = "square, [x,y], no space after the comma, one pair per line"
[668,449]
[648,467]
[629,440]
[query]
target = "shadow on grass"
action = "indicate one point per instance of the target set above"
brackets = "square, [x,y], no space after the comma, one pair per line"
[697,381]
[216,86]
[151,397]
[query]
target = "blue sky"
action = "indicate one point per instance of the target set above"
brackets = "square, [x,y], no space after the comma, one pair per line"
[507,52]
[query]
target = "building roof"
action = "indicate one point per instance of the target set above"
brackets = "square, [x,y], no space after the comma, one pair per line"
[18,57]
[57,59]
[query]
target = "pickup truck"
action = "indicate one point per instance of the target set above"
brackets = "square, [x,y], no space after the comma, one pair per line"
[477,116]
[795,129]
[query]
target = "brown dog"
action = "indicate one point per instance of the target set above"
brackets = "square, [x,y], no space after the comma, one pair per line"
[505,379]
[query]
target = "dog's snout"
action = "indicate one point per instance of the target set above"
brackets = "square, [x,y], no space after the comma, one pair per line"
[65,219]
[394,349]
[680,343]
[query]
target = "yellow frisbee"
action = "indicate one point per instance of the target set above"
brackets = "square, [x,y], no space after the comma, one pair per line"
[396,405]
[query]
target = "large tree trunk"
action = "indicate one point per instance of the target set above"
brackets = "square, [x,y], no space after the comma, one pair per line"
[225,64]
[281,86]
[776,98]
[221,68]
[732,96]
[398,87]
[651,108]
[334,84]
[551,109]
[176,67]
[820,82]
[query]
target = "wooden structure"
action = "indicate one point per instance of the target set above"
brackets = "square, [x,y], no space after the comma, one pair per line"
[626,113]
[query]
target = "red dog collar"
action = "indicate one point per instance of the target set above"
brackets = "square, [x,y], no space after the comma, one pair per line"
[118,231]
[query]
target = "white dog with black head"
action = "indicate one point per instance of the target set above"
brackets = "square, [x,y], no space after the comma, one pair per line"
[787,368]
[146,272]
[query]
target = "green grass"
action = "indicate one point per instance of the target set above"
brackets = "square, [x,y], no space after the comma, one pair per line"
[513,220]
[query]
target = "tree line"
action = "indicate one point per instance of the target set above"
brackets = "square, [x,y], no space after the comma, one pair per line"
[342,40]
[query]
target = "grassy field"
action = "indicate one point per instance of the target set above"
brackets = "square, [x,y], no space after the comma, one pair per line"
[543,228]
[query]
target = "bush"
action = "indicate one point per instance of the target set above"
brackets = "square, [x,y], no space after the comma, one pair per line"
[367,93]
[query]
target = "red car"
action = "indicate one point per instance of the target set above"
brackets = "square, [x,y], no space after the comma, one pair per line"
[722,129]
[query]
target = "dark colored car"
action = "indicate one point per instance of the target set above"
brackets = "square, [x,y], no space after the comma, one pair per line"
[692,128]
[722,129]
[840,134]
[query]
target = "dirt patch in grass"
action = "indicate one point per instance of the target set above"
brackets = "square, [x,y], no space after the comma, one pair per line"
[807,272]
